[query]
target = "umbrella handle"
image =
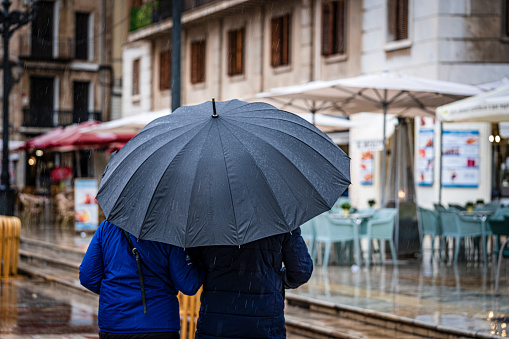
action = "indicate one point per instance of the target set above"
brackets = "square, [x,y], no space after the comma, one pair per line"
[214,108]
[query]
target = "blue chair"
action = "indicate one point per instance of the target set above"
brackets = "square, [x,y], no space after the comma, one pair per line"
[381,227]
[499,254]
[330,231]
[498,224]
[459,227]
[430,225]
[308,233]
[457,207]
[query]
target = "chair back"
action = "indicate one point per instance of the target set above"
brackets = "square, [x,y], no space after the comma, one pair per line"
[458,207]
[308,229]
[430,222]
[381,226]
[499,221]
[449,221]
[439,207]
[328,229]
[491,206]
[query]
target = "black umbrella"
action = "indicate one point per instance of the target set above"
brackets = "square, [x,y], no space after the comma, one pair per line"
[196,177]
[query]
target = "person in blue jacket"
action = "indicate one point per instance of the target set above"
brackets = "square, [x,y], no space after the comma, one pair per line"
[110,269]
[243,291]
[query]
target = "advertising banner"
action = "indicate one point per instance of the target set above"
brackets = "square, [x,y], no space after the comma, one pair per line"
[460,158]
[425,162]
[85,206]
[367,168]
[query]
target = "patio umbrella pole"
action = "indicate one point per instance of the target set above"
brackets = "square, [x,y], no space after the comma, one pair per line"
[440,167]
[384,151]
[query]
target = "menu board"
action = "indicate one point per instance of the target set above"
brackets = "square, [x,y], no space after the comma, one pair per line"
[425,162]
[367,167]
[85,206]
[460,158]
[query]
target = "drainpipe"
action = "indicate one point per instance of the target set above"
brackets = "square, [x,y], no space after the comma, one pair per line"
[176,54]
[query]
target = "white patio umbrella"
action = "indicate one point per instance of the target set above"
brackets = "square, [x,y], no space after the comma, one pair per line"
[128,125]
[385,92]
[491,106]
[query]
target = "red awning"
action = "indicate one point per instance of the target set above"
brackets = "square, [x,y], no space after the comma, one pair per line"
[72,138]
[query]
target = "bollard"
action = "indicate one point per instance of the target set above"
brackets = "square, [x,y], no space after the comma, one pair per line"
[189,308]
[10,229]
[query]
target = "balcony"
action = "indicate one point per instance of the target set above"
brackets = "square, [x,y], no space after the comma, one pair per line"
[51,118]
[34,48]
[157,11]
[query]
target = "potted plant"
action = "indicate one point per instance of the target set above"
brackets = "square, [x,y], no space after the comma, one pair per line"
[346,208]
[469,206]
[371,203]
[479,202]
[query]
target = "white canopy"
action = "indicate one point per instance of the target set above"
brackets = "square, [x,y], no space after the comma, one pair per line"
[128,125]
[491,106]
[401,95]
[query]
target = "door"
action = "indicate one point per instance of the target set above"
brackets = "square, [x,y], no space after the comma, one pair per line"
[41,103]
[42,30]
[80,105]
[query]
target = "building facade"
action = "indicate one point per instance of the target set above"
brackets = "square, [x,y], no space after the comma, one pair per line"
[238,48]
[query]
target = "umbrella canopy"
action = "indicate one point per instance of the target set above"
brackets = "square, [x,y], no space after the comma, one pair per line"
[130,125]
[250,171]
[73,137]
[491,106]
[385,92]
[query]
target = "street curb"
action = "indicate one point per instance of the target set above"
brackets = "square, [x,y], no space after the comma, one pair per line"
[386,320]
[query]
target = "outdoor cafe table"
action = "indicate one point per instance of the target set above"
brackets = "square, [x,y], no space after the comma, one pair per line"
[483,216]
[357,219]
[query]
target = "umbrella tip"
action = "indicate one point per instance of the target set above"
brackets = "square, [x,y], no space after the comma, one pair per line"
[214,108]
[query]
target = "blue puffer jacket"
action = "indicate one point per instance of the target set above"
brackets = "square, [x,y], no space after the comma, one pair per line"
[109,269]
[243,290]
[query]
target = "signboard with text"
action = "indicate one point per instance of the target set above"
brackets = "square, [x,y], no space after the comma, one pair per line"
[85,206]
[460,158]
[425,162]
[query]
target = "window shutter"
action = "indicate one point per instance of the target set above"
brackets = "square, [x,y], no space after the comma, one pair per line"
[231,52]
[136,77]
[401,19]
[340,27]
[202,61]
[275,46]
[327,28]
[165,70]
[285,57]
[239,62]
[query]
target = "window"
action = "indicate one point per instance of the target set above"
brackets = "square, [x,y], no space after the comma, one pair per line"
[398,19]
[236,52]
[42,30]
[333,27]
[197,61]
[280,48]
[82,37]
[136,77]
[165,70]
[505,18]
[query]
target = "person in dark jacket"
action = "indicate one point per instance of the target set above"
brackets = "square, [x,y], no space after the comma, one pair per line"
[243,291]
[109,269]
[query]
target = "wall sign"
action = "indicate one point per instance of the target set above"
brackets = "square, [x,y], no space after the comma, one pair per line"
[460,158]
[85,206]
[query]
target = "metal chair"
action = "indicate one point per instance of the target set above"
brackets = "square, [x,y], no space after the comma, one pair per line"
[503,252]
[381,228]
[458,227]
[331,231]
[308,232]
[430,225]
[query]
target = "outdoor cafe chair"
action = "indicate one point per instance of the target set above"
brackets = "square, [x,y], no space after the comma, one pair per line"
[499,224]
[381,227]
[430,225]
[308,233]
[458,227]
[501,253]
[330,231]
[457,207]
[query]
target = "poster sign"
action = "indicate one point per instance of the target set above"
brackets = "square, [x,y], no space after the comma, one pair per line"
[85,207]
[367,167]
[425,162]
[460,158]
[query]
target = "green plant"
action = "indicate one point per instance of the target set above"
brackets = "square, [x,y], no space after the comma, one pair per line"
[479,202]
[469,204]
[345,205]
[141,16]
[371,202]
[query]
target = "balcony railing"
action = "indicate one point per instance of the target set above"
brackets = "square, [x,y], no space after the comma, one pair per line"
[35,48]
[158,10]
[52,118]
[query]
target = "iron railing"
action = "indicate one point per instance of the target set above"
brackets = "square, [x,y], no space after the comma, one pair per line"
[35,48]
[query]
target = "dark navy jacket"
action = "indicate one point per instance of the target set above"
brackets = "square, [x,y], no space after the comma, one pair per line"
[109,269]
[243,290]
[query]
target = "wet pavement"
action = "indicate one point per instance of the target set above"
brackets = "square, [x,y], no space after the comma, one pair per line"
[459,296]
